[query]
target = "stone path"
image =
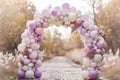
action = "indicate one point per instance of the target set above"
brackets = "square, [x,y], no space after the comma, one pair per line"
[60,68]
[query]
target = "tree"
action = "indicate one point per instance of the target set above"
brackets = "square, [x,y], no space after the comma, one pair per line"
[109,20]
[13,17]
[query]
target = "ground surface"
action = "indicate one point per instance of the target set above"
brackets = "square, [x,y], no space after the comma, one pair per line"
[61,68]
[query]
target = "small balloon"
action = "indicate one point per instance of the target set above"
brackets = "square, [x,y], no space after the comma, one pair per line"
[72,17]
[27,41]
[33,55]
[45,24]
[21,47]
[78,21]
[34,46]
[93,34]
[31,24]
[39,30]
[98,58]
[100,44]
[23,35]
[86,62]
[93,64]
[54,13]
[25,68]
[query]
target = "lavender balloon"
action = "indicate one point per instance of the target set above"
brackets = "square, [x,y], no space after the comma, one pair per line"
[65,6]
[37,74]
[93,75]
[100,44]
[21,74]
[54,13]
[40,38]
[31,24]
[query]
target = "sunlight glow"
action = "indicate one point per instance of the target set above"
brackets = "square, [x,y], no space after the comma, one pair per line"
[81,5]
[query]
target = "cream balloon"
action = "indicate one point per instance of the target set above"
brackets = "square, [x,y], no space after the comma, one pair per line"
[29,74]
[21,47]
[25,68]
[72,17]
[86,62]
[98,58]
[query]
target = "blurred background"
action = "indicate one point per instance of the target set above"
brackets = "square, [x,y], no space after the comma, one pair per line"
[15,13]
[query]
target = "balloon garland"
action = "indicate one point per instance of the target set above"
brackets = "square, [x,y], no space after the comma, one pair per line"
[30,56]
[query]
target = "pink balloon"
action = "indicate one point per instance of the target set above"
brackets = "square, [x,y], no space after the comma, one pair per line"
[89,45]
[26,61]
[91,27]
[98,51]
[78,21]
[87,35]
[39,24]
[34,46]
[33,55]
[100,44]
[45,24]
[34,60]
[93,34]
[83,31]
[38,64]
[86,24]
[23,35]
[27,41]
[39,30]
[72,9]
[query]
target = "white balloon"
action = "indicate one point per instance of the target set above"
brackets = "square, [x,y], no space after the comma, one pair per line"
[25,68]
[98,58]
[21,47]
[26,61]
[86,62]
[93,34]
[29,74]
[72,17]
[93,64]
[30,64]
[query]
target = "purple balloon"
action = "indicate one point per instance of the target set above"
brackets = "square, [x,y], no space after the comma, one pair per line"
[100,44]
[83,31]
[37,74]
[65,6]
[32,25]
[93,75]
[39,38]
[21,74]
[54,13]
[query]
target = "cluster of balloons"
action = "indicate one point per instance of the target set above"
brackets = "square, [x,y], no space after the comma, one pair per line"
[30,57]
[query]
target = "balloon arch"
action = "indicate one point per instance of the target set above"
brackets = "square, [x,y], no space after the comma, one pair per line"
[30,56]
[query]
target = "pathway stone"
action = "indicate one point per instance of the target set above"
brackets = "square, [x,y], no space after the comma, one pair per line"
[60,68]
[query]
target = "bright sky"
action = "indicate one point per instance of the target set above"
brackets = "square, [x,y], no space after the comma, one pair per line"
[79,4]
